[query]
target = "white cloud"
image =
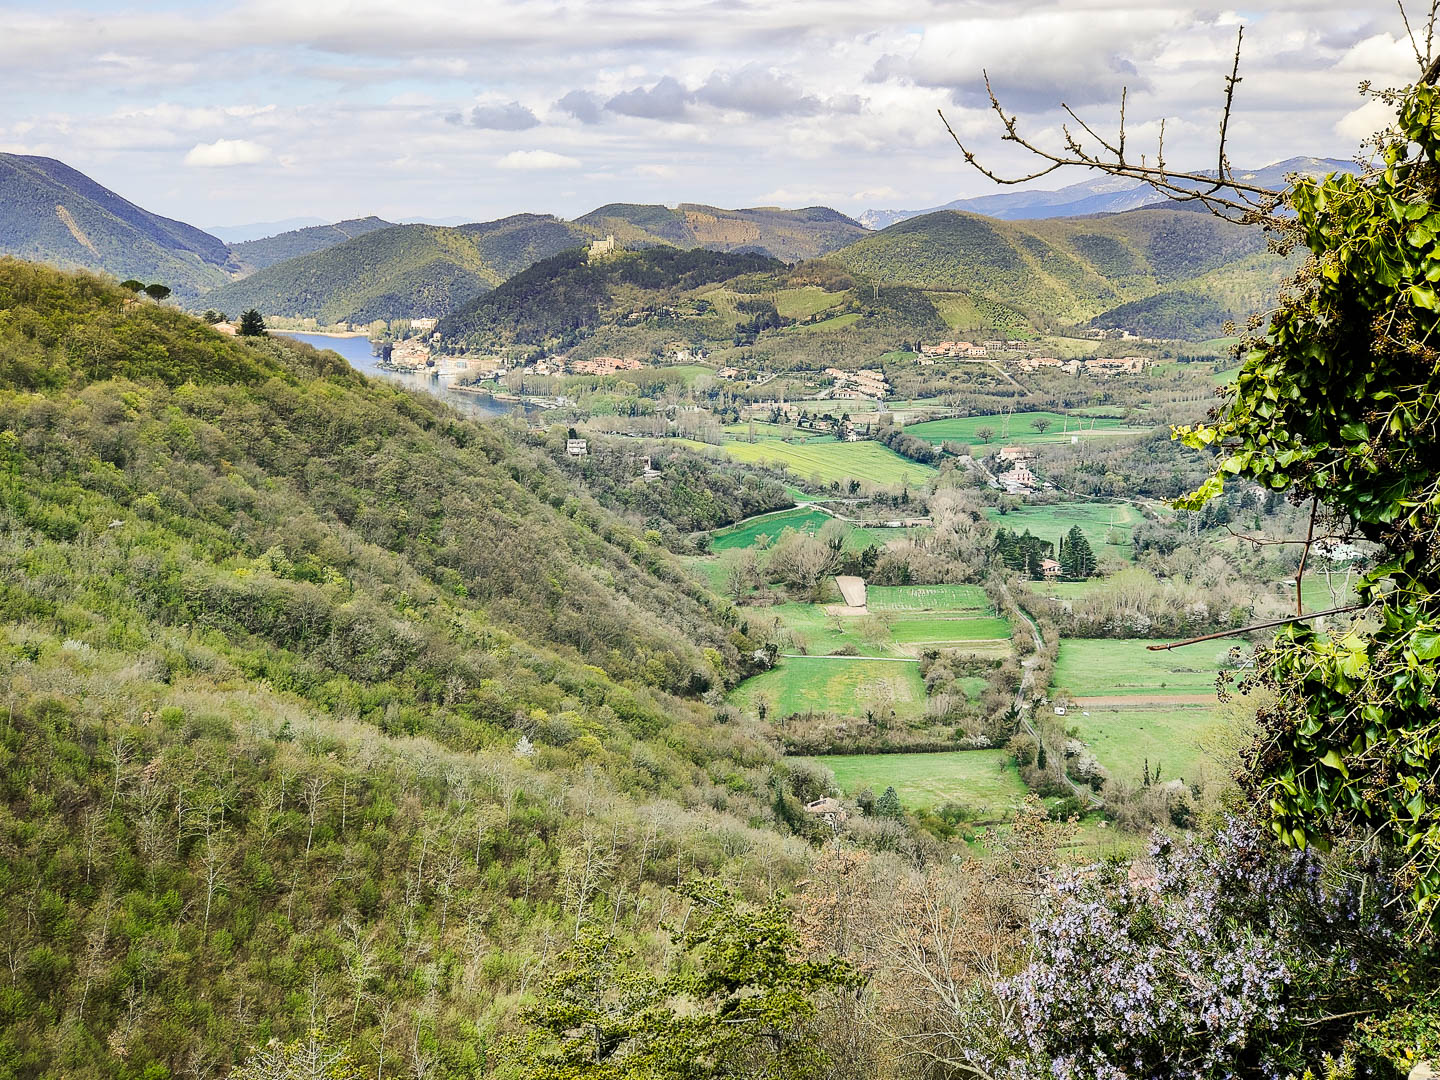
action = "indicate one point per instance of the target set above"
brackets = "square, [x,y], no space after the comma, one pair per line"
[537,160]
[225,152]
[1359,125]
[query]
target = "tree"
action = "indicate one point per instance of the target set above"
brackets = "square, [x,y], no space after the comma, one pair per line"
[157,291]
[133,285]
[252,324]
[888,805]
[1077,560]
[212,316]
[1040,424]
[1352,743]
[736,1002]
[985,434]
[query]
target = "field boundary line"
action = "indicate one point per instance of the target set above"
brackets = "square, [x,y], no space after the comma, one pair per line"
[827,656]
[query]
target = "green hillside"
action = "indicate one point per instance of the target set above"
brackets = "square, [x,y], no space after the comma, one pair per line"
[258,254]
[297,725]
[562,299]
[790,235]
[51,213]
[1065,270]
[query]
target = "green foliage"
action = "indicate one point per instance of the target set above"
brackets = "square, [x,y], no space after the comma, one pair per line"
[888,805]
[736,1002]
[252,324]
[294,719]
[157,291]
[1352,742]
[1077,560]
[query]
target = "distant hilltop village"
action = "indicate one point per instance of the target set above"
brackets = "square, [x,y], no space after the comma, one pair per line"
[989,351]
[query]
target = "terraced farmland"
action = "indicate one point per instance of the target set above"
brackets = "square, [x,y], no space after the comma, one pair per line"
[958,598]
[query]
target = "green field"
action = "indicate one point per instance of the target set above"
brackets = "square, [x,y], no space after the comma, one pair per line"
[941,631]
[839,322]
[803,519]
[1100,522]
[967,598]
[1016,429]
[747,532]
[1069,590]
[843,686]
[1175,738]
[985,780]
[832,461]
[802,303]
[1105,667]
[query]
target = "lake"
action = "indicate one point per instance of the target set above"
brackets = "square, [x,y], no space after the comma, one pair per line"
[357,351]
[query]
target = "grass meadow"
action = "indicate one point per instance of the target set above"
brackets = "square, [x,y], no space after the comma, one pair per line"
[843,686]
[1113,667]
[984,780]
[1100,522]
[828,462]
[1016,429]
[1174,737]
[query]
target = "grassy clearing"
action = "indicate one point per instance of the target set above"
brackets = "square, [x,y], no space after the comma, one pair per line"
[763,430]
[1016,429]
[841,686]
[829,462]
[1174,737]
[802,303]
[1106,667]
[815,632]
[839,322]
[941,631]
[966,598]
[1106,525]
[985,780]
[747,532]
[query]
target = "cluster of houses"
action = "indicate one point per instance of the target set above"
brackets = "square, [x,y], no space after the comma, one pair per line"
[1016,479]
[866,383]
[967,350]
[603,365]
[1090,365]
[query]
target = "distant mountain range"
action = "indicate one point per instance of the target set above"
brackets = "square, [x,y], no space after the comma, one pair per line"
[51,213]
[258,230]
[1159,271]
[1101,195]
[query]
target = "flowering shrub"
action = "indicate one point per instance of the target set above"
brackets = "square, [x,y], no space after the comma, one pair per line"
[1236,959]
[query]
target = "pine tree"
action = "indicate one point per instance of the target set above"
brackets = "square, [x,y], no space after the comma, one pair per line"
[252,324]
[1078,560]
[888,805]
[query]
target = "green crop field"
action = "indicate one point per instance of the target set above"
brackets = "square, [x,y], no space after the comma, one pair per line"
[966,598]
[843,686]
[1174,737]
[763,430]
[1100,522]
[747,532]
[1016,429]
[940,631]
[834,461]
[984,780]
[1105,667]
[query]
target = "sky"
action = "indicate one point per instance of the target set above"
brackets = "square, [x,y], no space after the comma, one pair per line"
[226,113]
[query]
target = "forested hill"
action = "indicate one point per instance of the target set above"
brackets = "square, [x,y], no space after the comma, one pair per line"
[298,729]
[786,234]
[562,299]
[267,251]
[1072,270]
[52,213]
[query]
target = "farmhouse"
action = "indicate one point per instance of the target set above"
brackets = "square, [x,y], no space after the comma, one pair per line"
[1013,454]
[831,811]
[576,447]
[1018,480]
[1115,365]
